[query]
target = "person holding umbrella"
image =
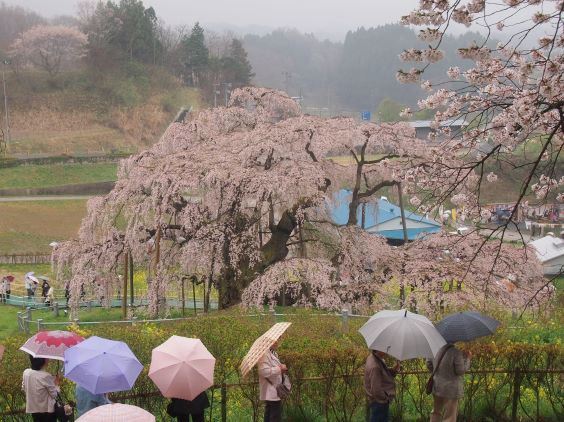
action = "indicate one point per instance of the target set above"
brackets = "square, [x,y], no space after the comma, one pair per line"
[41,390]
[450,364]
[403,335]
[448,369]
[271,373]
[274,383]
[184,409]
[182,368]
[380,385]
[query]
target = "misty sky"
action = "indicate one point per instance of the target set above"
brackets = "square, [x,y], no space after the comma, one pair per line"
[326,18]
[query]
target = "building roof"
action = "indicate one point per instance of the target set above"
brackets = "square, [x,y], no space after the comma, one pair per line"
[378,212]
[427,123]
[548,248]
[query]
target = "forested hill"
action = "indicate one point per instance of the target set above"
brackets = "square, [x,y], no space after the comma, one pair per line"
[354,75]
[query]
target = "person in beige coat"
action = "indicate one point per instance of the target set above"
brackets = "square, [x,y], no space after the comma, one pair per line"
[448,382]
[271,372]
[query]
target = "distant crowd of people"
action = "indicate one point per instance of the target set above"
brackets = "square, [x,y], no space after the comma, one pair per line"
[31,284]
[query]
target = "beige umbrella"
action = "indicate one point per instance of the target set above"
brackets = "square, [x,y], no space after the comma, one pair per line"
[261,345]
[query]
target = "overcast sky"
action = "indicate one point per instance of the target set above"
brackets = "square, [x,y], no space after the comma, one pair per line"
[326,18]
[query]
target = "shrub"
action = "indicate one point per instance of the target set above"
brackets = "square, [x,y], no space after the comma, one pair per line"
[314,346]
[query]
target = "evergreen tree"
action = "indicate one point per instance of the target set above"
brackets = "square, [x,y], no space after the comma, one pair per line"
[236,66]
[195,56]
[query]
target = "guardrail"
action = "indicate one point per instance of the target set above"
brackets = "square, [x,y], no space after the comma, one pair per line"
[25,259]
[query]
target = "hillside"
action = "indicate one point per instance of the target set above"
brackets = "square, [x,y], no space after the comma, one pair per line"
[78,114]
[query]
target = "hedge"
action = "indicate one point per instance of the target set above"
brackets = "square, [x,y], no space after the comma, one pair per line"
[325,365]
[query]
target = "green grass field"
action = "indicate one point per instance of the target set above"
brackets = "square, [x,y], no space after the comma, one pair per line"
[56,174]
[29,226]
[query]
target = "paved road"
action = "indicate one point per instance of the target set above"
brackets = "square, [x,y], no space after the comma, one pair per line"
[43,198]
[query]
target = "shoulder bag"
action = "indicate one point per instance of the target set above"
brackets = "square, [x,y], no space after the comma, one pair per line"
[282,389]
[430,381]
[63,413]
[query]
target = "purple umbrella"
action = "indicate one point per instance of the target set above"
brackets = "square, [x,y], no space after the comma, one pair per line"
[102,366]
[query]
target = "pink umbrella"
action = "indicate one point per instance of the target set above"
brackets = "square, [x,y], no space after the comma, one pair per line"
[51,344]
[117,412]
[182,368]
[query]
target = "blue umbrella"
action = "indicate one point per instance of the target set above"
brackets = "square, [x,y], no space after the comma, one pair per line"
[466,326]
[102,366]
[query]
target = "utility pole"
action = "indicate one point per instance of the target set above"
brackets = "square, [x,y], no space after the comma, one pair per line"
[216,92]
[227,91]
[6,120]
[287,77]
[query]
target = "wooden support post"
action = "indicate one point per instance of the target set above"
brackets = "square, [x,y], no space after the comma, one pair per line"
[125,279]
[131,274]
[345,320]
[402,210]
[183,296]
[405,240]
[194,295]
[516,393]
[223,403]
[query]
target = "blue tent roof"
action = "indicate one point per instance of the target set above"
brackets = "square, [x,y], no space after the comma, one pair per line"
[377,212]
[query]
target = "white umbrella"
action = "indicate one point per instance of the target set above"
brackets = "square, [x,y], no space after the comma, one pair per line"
[402,334]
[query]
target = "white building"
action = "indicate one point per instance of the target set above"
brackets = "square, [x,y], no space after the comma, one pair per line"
[550,251]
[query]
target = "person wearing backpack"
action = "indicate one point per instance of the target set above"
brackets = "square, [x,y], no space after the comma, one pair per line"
[448,368]
[380,385]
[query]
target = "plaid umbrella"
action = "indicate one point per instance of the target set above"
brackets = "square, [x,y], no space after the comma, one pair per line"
[466,326]
[51,344]
[117,412]
[261,345]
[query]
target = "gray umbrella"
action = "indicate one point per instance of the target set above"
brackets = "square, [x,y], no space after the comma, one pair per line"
[466,326]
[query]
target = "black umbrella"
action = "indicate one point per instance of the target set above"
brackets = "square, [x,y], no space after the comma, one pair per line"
[466,326]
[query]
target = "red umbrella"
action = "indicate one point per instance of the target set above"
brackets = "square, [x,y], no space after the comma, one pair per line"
[51,344]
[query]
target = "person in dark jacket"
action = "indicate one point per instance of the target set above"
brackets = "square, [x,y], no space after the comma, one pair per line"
[183,409]
[45,289]
[380,385]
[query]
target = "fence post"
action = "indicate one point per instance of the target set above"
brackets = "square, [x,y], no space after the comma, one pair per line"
[272,313]
[56,309]
[89,305]
[39,324]
[345,320]
[223,403]
[20,323]
[76,322]
[28,313]
[133,320]
[516,393]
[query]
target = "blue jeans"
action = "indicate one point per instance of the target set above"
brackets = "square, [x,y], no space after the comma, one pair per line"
[379,412]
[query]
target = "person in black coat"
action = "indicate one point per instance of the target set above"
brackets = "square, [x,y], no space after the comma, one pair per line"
[45,288]
[183,409]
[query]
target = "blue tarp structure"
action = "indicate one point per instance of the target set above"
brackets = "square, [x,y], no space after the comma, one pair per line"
[382,217]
